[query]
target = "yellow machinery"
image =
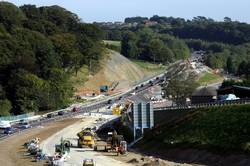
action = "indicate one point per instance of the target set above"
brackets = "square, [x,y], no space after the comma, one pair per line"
[117,110]
[115,143]
[88,162]
[86,138]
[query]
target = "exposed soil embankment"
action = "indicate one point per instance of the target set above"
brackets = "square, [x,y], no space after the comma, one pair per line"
[116,69]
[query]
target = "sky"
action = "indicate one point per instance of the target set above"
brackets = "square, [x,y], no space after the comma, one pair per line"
[117,10]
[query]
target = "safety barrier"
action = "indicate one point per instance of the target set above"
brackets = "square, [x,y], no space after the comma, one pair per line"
[16,118]
[206,105]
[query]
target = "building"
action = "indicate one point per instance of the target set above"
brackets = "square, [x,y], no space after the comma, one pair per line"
[204,95]
[142,115]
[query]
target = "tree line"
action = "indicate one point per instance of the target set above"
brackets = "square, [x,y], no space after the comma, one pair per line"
[226,42]
[148,45]
[41,47]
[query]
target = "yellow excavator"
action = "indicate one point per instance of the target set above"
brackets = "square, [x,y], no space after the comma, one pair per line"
[86,138]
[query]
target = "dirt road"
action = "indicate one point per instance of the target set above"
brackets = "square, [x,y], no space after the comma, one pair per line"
[12,152]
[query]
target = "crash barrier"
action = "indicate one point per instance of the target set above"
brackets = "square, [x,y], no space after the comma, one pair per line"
[17,118]
[45,120]
[206,105]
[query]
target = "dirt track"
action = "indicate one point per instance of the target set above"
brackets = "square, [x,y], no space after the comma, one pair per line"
[12,152]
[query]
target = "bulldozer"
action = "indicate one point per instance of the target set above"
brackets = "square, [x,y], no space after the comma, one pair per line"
[86,138]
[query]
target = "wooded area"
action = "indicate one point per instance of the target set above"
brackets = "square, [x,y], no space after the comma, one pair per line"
[40,49]
[226,42]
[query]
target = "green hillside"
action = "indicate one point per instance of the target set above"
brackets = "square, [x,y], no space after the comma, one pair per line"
[40,49]
[220,129]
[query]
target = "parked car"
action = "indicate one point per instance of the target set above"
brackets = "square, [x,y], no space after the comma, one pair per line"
[4,124]
[109,101]
[61,113]
[8,130]
[50,115]
[75,109]
[25,125]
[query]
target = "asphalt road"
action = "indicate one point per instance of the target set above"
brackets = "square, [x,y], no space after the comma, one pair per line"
[93,106]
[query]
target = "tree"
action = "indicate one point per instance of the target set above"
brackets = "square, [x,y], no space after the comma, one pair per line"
[5,107]
[40,48]
[60,90]
[10,15]
[25,91]
[242,68]
[67,49]
[179,88]
[135,19]
[155,47]
[227,19]
[128,45]
[230,65]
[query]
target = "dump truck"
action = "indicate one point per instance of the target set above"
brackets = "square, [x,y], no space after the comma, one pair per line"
[114,143]
[86,138]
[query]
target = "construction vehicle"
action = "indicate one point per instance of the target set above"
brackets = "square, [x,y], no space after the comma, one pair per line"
[86,138]
[120,109]
[63,147]
[117,109]
[114,143]
[88,162]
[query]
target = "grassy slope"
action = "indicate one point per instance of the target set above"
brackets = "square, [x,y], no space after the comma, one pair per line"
[80,78]
[112,42]
[209,78]
[220,129]
[150,67]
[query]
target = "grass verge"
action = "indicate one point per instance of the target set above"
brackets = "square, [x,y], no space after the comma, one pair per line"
[147,66]
[209,78]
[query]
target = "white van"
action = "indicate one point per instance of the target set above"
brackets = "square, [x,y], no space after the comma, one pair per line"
[4,124]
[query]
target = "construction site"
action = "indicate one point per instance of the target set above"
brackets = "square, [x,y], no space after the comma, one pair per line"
[80,143]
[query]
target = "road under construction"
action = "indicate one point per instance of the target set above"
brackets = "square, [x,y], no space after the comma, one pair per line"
[76,155]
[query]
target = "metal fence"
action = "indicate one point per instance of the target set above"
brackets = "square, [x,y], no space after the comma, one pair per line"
[206,105]
[16,118]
